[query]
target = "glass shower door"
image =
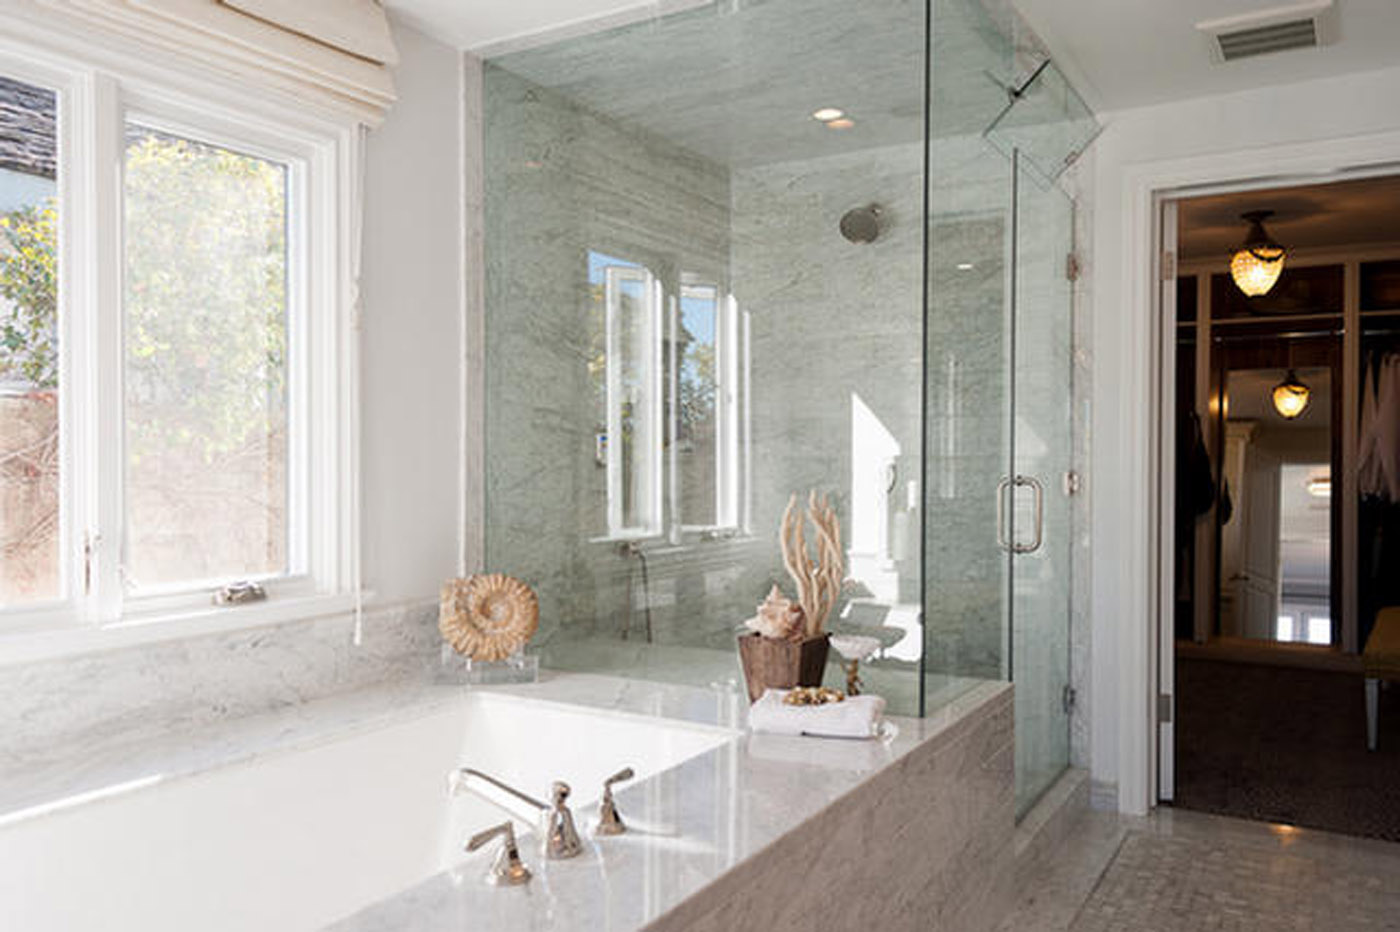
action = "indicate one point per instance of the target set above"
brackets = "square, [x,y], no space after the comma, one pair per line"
[1041,481]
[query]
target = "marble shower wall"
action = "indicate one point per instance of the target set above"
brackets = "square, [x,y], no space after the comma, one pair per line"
[563,181]
[834,375]
[968,415]
[837,361]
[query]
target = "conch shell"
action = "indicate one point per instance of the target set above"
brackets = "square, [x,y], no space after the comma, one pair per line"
[778,617]
[487,617]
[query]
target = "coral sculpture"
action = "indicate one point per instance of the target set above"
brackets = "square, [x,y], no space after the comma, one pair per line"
[818,581]
[487,617]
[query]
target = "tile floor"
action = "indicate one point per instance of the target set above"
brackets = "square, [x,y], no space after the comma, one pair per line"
[1178,870]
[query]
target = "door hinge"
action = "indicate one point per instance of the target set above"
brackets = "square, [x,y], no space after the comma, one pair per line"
[1074,483]
[1072,268]
[1168,265]
[1164,709]
[1068,699]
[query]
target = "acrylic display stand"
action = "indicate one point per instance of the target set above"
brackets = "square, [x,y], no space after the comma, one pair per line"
[519,667]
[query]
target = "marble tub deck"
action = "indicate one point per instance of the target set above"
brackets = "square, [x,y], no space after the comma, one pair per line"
[765,831]
[798,817]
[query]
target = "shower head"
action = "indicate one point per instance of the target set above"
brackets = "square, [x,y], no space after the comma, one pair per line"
[861,224]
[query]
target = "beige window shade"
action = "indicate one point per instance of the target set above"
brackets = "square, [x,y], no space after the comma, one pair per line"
[357,27]
[339,51]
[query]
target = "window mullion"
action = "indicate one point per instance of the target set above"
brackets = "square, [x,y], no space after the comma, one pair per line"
[104,466]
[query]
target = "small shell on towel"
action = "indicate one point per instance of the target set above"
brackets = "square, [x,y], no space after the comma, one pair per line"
[813,695]
[778,617]
[487,616]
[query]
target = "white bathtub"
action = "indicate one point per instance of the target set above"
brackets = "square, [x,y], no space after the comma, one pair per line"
[300,838]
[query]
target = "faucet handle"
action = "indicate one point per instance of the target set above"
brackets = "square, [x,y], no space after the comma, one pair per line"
[609,821]
[508,870]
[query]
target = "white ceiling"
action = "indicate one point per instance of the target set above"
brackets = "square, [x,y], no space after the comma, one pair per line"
[1120,53]
[1127,53]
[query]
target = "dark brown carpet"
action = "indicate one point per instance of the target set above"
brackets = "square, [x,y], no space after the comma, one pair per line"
[1279,744]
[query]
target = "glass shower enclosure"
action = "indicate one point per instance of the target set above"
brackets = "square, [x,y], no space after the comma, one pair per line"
[751,250]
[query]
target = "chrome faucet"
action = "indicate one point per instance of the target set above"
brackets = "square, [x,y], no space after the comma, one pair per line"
[561,838]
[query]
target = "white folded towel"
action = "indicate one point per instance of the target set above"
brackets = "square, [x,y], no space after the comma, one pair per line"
[857,717]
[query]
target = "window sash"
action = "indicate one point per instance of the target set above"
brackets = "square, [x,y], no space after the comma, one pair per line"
[323,155]
[295,578]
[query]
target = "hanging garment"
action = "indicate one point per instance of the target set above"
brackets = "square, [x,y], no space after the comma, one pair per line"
[1370,476]
[1387,425]
[1195,483]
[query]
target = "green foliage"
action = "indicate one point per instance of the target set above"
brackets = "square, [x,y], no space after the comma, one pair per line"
[206,299]
[205,303]
[29,285]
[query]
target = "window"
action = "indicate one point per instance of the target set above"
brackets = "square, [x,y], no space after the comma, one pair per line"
[175,360]
[30,538]
[665,370]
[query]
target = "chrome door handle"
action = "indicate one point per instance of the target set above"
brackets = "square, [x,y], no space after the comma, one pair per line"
[1038,489]
[1003,540]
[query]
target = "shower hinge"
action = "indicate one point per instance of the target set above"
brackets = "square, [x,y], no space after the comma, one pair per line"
[1068,699]
[1072,267]
[1074,484]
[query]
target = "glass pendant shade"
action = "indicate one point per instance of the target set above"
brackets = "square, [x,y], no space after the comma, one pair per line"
[1257,264]
[1291,397]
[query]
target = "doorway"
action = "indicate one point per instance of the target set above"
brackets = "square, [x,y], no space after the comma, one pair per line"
[1279,552]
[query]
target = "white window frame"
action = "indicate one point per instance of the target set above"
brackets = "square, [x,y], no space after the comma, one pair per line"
[727,409]
[100,85]
[648,418]
[660,517]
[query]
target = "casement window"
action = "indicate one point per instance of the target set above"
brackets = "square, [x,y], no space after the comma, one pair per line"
[175,356]
[666,369]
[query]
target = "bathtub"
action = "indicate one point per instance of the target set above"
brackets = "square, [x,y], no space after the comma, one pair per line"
[304,836]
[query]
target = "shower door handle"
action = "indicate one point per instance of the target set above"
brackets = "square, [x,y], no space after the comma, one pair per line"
[1003,537]
[1039,491]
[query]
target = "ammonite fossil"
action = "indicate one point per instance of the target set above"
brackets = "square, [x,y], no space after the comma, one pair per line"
[487,617]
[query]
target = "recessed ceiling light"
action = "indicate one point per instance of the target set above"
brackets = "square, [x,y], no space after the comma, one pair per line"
[843,123]
[965,266]
[827,114]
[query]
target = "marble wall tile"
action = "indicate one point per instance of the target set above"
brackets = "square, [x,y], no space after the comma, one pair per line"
[134,694]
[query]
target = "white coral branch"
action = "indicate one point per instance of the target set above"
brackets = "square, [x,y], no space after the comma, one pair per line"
[818,581]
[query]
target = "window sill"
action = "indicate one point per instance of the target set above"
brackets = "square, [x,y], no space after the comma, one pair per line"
[33,645]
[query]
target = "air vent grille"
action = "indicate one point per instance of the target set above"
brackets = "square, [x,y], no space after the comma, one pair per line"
[1305,25]
[1280,37]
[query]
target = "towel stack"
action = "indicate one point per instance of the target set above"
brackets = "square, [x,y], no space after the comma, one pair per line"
[856,717]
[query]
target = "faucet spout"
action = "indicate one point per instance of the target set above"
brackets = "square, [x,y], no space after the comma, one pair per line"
[500,794]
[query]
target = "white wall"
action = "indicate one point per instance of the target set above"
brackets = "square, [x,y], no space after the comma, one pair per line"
[411,344]
[1189,134]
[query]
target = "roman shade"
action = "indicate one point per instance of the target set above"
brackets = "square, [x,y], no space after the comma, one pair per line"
[339,51]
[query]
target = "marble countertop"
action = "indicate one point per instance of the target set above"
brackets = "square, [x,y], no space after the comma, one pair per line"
[689,825]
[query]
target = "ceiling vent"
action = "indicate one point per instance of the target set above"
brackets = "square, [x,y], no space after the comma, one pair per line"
[1298,26]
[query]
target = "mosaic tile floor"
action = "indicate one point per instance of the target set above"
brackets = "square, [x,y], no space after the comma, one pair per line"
[1177,871]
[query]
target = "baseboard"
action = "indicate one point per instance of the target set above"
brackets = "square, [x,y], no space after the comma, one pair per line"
[1041,830]
[1103,796]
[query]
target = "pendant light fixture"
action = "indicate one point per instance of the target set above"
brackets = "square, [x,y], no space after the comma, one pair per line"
[1291,396]
[1257,264]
